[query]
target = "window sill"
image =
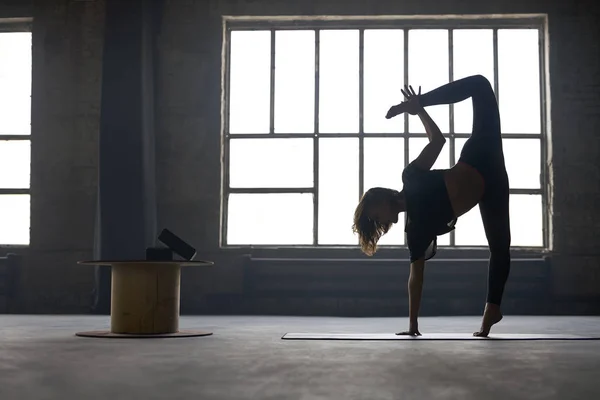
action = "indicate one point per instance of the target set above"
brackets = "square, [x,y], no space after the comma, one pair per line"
[397,252]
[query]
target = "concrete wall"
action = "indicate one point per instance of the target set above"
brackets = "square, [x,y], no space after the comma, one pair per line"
[67,55]
[67,43]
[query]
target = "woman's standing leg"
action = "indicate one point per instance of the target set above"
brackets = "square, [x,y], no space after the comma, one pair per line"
[494,208]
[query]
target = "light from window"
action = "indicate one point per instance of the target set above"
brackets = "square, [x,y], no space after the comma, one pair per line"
[525,221]
[276,163]
[15,164]
[338,82]
[295,82]
[519,80]
[428,67]
[338,189]
[268,219]
[15,131]
[250,82]
[14,219]
[383,77]
[473,54]
[272,174]
[15,83]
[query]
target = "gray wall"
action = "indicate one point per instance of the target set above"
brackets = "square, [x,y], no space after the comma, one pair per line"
[67,40]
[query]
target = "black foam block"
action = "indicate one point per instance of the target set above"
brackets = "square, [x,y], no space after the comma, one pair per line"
[159,254]
[177,245]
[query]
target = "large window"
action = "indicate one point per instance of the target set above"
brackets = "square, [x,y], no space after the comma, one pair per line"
[305,134]
[15,136]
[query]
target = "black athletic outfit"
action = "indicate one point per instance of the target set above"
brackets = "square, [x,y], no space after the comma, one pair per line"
[428,208]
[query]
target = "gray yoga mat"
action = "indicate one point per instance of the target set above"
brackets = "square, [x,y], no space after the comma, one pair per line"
[435,336]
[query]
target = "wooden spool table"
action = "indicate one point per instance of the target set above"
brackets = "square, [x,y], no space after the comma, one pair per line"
[145,299]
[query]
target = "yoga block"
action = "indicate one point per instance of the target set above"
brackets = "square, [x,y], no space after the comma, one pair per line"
[177,245]
[159,254]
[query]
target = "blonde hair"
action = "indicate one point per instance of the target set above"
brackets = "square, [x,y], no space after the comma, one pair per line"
[370,231]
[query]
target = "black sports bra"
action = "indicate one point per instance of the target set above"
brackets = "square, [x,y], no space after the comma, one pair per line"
[429,212]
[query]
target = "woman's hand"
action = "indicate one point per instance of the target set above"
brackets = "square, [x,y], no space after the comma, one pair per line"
[413,330]
[412,104]
[409,333]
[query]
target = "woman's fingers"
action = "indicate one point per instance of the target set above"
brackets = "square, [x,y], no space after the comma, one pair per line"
[409,92]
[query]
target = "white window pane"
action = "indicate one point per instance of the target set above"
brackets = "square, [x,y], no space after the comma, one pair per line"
[519,80]
[473,55]
[443,240]
[338,190]
[383,162]
[415,146]
[294,81]
[270,219]
[428,67]
[522,159]
[383,165]
[271,163]
[526,225]
[15,164]
[469,229]
[338,81]
[383,79]
[14,219]
[15,83]
[250,82]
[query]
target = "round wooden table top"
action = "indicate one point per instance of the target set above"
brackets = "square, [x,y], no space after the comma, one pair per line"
[181,263]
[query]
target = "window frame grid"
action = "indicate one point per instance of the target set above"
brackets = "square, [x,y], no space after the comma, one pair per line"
[242,23]
[16,25]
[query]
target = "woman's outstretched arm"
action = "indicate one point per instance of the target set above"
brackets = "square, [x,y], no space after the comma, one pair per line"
[431,152]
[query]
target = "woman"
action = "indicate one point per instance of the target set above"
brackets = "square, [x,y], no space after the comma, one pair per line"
[434,199]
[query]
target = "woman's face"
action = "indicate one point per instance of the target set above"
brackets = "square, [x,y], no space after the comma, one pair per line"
[384,213]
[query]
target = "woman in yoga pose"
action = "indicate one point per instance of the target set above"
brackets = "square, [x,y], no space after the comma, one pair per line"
[434,199]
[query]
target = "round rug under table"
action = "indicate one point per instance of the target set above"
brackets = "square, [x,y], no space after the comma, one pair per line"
[110,335]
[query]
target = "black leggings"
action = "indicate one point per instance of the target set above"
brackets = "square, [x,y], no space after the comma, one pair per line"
[483,151]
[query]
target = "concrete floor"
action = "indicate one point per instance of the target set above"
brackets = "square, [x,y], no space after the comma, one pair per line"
[40,359]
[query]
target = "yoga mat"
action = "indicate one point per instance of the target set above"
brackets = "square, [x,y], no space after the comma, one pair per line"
[435,336]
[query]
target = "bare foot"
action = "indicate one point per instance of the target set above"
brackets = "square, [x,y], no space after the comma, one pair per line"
[395,110]
[491,316]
